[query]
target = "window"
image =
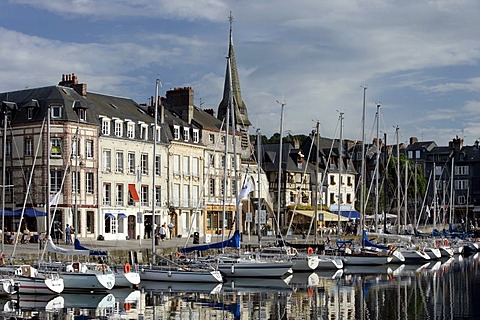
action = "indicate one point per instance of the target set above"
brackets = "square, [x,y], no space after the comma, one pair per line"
[195,165]
[223,162]
[143,131]
[222,140]
[410,154]
[349,198]
[234,186]
[30,113]
[461,184]
[131,163]
[75,151]
[195,196]
[211,159]
[28,147]
[144,163]
[90,221]
[107,158]
[211,186]
[89,149]
[158,132]
[144,195]
[176,194]
[158,163]
[186,165]
[211,138]
[186,196]
[186,134]
[56,150]
[119,197]
[461,170]
[176,132]
[332,180]
[82,114]
[56,177]
[158,196]
[56,112]
[417,154]
[119,161]
[107,194]
[118,128]
[332,197]
[349,181]
[105,127]
[89,182]
[196,136]
[176,164]
[131,130]
[75,181]
[461,200]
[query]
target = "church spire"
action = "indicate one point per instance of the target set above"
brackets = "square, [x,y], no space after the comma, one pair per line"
[241,116]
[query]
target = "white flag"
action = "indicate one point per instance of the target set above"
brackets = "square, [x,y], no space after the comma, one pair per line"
[427,210]
[247,188]
[55,199]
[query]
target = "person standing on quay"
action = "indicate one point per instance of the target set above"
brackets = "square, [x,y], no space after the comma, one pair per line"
[163,231]
[68,233]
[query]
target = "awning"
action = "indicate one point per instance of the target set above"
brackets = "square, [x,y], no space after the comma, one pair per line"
[327,216]
[351,214]
[122,215]
[30,212]
[109,215]
[133,192]
[8,213]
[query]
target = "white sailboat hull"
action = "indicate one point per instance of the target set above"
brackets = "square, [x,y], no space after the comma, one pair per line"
[88,281]
[127,279]
[40,285]
[254,269]
[179,275]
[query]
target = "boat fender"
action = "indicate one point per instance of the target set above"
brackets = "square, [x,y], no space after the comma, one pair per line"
[445,242]
[438,243]
[169,273]
[232,269]
[127,268]
[310,250]
[128,306]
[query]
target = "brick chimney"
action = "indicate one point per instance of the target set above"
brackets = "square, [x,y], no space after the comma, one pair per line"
[180,100]
[456,143]
[71,81]
[210,112]
[413,140]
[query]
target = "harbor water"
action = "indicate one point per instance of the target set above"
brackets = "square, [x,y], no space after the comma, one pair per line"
[445,289]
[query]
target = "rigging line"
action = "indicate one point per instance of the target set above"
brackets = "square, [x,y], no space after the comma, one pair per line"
[28,189]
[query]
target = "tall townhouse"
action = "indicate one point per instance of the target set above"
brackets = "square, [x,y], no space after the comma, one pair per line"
[185,163]
[132,177]
[70,151]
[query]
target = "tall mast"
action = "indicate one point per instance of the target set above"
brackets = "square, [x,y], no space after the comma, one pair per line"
[340,165]
[452,202]
[405,209]
[155,123]
[377,169]
[362,172]
[77,190]
[259,185]
[398,181]
[283,103]
[317,183]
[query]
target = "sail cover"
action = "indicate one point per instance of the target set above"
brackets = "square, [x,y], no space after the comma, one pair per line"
[233,242]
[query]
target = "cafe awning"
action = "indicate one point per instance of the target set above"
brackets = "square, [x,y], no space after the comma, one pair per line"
[327,216]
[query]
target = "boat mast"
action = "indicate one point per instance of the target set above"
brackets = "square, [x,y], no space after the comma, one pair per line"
[398,182]
[75,205]
[362,174]
[451,192]
[155,123]
[377,169]
[340,164]
[259,193]
[405,209]
[317,183]
[283,103]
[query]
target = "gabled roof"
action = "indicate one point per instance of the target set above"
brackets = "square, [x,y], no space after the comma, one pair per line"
[422,145]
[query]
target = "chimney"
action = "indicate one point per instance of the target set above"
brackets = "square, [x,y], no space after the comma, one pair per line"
[210,112]
[413,140]
[456,143]
[180,100]
[71,81]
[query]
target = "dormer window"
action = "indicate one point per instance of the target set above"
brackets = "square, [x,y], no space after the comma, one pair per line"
[56,112]
[105,126]
[196,136]
[82,114]
[143,131]
[131,130]
[118,128]
[30,113]
[186,134]
[158,133]
[176,132]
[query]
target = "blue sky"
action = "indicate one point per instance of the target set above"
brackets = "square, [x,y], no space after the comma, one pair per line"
[418,59]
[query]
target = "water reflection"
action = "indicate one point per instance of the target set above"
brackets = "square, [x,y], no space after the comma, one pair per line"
[446,289]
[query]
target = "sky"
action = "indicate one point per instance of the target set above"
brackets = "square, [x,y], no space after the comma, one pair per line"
[417,59]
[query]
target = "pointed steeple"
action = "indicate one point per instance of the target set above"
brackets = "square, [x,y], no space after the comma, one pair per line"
[241,116]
